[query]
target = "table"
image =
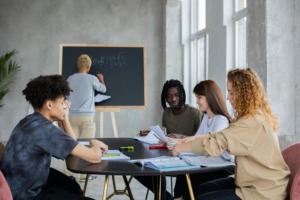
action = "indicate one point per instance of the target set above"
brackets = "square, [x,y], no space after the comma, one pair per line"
[123,167]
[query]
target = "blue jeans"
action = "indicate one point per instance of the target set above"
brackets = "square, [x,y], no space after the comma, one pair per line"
[221,189]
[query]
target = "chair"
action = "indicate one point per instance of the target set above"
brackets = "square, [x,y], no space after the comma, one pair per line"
[291,156]
[5,193]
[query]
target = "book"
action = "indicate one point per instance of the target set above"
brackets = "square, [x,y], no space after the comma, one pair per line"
[150,138]
[211,161]
[165,163]
[114,155]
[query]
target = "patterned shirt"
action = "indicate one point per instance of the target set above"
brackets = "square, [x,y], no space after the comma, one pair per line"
[26,161]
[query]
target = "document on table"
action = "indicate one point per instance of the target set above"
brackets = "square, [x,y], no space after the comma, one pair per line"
[211,161]
[114,155]
[111,154]
[159,132]
[150,138]
[165,163]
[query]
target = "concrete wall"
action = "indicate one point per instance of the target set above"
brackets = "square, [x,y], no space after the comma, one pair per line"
[36,28]
[273,51]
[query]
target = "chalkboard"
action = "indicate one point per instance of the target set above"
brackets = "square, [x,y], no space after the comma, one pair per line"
[123,68]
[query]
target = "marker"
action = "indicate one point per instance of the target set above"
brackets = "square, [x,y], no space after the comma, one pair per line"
[127,148]
[157,147]
[111,154]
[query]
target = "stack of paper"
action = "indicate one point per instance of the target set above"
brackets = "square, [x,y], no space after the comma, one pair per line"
[151,138]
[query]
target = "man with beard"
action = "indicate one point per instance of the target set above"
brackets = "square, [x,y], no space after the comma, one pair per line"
[179,119]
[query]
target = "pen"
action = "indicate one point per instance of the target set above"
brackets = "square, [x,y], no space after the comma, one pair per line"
[127,148]
[111,154]
[157,147]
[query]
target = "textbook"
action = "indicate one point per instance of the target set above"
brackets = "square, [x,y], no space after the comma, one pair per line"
[114,155]
[210,161]
[165,163]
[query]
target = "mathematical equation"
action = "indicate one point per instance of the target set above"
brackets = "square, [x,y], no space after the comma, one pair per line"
[110,61]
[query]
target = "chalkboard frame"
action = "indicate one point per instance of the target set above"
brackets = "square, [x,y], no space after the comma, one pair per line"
[141,105]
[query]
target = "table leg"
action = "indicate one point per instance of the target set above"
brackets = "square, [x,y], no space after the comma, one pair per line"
[85,184]
[188,180]
[128,187]
[105,187]
[158,191]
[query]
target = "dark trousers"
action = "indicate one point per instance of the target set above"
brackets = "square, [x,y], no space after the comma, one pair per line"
[61,187]
[150,182]
[220,189]
[181,188]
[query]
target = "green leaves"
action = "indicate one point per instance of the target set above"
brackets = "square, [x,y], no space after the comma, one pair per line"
[8,72]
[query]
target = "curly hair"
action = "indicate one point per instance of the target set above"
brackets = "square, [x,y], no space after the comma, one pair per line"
[214,97]
[170,84]
[44,88]
[249,95]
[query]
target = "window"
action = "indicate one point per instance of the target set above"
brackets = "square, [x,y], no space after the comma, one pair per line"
[195,39]
[240,33]
[195,43]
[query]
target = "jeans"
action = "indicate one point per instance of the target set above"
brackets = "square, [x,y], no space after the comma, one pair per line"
[60,187]
[221,189]
[181,188]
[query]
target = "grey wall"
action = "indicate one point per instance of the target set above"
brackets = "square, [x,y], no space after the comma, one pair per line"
[273,51]
[36,28]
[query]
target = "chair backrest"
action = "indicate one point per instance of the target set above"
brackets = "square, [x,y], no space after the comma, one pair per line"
[295,188]
[291,156]
[5,193]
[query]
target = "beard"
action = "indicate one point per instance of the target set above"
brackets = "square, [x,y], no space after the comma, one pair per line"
[176,106]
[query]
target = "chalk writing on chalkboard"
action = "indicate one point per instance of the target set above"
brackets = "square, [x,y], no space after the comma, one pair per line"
[123,68]
[111,61]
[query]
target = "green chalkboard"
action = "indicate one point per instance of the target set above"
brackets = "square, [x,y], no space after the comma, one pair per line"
[123,68]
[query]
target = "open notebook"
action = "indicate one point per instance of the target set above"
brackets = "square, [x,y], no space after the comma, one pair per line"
[165,163]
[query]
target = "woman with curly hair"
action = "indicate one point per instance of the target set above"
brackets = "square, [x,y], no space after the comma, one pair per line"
[261,172]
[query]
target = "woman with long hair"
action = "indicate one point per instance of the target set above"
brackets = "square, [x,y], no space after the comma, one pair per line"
[215,118]
[261,172]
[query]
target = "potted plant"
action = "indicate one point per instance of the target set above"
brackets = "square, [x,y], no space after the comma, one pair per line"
[8,72]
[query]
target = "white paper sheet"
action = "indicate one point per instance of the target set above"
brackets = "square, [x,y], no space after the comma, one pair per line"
[101,97]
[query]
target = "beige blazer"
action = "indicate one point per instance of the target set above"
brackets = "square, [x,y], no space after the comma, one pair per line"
[261,172]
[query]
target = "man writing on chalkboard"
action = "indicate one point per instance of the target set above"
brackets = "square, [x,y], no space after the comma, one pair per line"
[82,111]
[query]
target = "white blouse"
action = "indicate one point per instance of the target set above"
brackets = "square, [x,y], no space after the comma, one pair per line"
[214,124]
